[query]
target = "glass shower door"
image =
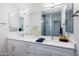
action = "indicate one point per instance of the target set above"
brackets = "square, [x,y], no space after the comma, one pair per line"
[46,25]
[56,28]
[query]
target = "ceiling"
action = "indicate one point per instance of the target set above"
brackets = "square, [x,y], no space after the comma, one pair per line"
[21,6]
[52,9]
[48,7]
[56,8]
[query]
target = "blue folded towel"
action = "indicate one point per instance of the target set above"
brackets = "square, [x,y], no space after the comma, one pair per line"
[40,40]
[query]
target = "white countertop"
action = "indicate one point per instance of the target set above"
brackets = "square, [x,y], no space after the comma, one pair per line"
[48,40]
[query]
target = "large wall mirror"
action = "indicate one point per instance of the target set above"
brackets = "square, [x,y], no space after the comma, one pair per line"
[52,19]
[44,21]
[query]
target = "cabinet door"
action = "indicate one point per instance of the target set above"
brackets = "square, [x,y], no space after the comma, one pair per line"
[27,49]
[59,51]
[14,47]
[40,51]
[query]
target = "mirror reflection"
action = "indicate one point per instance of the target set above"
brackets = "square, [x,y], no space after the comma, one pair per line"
[45,19]
[54,18]
[51,23]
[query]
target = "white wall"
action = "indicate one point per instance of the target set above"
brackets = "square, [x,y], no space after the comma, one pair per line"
[36,18]
[27,23]
[76,27]
[75,35]
[4,17]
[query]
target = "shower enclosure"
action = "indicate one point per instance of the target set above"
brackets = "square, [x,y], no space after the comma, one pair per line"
[51,21]
[51,24]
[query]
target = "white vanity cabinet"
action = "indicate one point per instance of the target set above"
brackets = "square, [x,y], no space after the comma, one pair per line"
[26,48]
[20,48]
[42,49]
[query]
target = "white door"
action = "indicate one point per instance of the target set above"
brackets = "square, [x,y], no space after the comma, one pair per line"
[56,31]
[3,30]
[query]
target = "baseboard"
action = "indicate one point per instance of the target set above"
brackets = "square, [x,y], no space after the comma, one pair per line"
[3,54]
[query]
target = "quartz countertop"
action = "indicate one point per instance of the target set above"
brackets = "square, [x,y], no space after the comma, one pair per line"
[48,40]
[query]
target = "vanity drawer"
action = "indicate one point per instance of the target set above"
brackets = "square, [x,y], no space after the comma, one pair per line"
[28,45]
[56,50]
[27,49]
[41,52]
